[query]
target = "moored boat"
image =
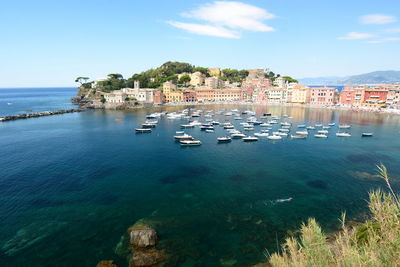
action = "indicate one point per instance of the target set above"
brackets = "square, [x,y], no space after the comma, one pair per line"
[367,134]
[143,130]
[183,137]
[250,139]
[190,142]
[343,134]
[320,136]
[299,136]
[274,137]
[237,135]
[344,126]
[225,139]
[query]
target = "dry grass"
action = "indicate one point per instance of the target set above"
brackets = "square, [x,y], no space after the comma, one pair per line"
[374,243]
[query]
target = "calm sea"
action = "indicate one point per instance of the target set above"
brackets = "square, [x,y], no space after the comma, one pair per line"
[71,185]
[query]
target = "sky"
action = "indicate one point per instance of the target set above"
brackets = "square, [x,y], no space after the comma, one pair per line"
[50,43]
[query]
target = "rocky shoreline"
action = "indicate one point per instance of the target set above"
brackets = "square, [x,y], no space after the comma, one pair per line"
[38,114]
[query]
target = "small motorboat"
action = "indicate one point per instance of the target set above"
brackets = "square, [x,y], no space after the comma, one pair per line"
[343,134]
[249,129]
[284,130]
[310,128]
[143,130]
[318,125]
[229,127]
[250,139]
[209,131]
[237,135]
[367,134]
[285,124]
[215,122]
[344,126]
[282,134]
[183,126]
[264,131]
[331,124]
[261,134]
[299,136]
[265,124]
[179,132]
[301,132]
[190,142]
[183,137]
[148,125]
[274,137]
[323,131]
[301,126]
[326,127]
[225,139]
[320,136]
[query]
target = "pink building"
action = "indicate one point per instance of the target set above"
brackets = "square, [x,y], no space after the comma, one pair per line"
[324,96]
[347,96]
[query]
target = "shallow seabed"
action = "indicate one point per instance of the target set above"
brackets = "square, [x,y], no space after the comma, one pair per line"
[71,185]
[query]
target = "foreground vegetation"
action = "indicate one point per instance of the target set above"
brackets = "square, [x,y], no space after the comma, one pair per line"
[374,243]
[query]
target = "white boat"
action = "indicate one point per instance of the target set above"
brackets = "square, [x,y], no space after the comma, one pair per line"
[274,137]
[265,124]
[143,130]
[367,134]
[321,135]
[310,128]
[179,132]
[302,132]
[209,131]
[261,134]
[299,136]
[190,142]
[225,139]
[238,118]
[323,131]
[273,122]
[343,134]
[285,127]
[229,127]
[237,135]
[215,122]
[282,134]
[264,131]
[249,129]
[326,127]
[283,130]
[250,139]
[331,124]
[344,126]
[285,124]
[183,126]
[301,126]
[183,137]
[318,125]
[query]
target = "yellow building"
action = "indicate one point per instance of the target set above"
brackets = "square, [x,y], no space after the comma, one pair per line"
[171,93]
[197,78]
[228,95]
[300,95]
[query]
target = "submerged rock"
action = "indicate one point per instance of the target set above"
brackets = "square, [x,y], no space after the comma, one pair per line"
[106,264]
[146,257]
[142,236]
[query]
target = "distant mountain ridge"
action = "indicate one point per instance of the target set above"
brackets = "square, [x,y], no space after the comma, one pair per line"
[376,77]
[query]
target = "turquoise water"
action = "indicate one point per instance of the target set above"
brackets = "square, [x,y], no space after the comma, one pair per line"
[71,185]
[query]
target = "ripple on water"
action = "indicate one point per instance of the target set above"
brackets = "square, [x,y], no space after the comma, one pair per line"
[185,173]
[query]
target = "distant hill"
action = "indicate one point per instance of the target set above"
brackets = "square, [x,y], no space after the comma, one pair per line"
[376,77]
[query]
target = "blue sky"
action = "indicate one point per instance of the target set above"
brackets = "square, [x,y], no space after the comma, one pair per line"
[49,43]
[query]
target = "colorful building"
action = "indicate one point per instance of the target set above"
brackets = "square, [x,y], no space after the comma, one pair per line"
[205,95]
[323,95]
[299,94]
[375,97]
[228,94]
[189,96]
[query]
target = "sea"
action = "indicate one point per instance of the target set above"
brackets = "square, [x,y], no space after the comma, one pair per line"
[72,184]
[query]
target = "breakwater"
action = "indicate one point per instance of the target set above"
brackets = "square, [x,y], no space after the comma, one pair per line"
[38,114]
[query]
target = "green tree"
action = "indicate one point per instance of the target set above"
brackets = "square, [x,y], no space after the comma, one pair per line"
[290,79]
[184,79]
[81,80]
[115,76]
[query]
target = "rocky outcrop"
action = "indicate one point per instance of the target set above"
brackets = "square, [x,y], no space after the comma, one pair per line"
[143,241]
[106,264]
[143,236]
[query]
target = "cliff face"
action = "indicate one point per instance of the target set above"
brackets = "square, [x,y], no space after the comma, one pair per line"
[91,98]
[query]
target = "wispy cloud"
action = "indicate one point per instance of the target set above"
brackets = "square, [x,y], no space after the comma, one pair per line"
[384,40]
[393,30]
[377,19]
[205,29]
[226,19]
[356,36]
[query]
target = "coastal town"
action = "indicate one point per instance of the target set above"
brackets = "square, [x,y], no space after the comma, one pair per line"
[255,88]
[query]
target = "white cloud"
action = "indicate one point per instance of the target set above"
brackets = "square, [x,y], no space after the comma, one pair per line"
[377,19]
[226,19]
[356,36]
[205,29]
[393,30]
[384,40]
